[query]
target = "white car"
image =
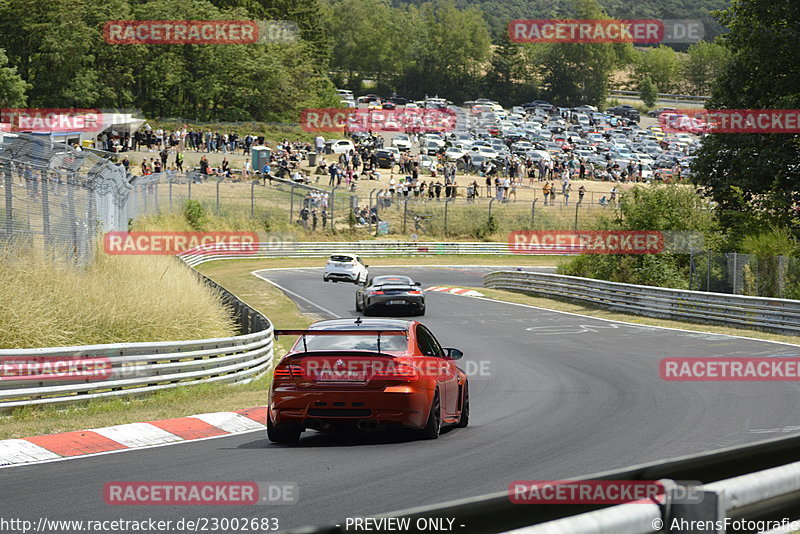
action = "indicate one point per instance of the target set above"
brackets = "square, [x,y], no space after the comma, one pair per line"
[345,268]
[454,153]
[340,146]
[401,142]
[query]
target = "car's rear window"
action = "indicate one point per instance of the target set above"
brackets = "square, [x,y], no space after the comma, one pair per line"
[350,342]
[381,280]
[342,259]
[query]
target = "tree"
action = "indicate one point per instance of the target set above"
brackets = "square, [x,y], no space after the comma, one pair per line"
[574,74]
[705,64]
[755,178]
[661,65]
[511,76]
[12,86]
[648,92]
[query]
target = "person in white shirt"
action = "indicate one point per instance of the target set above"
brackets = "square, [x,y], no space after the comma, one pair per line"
[319,143]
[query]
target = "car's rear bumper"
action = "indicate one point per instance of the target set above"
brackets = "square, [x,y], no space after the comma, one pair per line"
[343,276]
[407,300]
[391,406]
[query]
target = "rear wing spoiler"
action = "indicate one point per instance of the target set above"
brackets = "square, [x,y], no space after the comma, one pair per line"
[377,333]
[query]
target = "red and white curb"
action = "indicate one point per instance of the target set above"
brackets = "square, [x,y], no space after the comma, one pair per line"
[455,291]
[130,436]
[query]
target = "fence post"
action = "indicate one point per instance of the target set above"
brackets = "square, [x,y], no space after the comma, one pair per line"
[405,212]
[291,205]
[190,187]
[218,182]
[533,211]
[577,207]
[169,181]
[446,205]
[46,206]
[369,209]
[735,271]
[490,207]
[155,187]
[333,205]
[252,199]
[9,187]
[781,275]
[708,272]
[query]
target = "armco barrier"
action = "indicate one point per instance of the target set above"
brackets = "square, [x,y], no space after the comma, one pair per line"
[321,249]
[773,315]
[750,482]
[137,368]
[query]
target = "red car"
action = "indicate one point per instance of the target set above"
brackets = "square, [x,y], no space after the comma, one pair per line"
[367,375]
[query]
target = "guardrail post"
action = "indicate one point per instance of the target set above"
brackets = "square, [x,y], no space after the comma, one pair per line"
[708,511]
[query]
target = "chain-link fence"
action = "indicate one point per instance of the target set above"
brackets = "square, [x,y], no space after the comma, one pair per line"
[745,274]
[57,197]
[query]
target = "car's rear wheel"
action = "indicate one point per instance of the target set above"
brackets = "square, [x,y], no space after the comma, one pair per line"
[421,311]
[282,433]
[463,421]
[358,304]
[434,424]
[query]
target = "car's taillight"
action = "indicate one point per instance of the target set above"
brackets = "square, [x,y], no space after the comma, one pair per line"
[415,292]
[288,371]
[396,372]
[376,292]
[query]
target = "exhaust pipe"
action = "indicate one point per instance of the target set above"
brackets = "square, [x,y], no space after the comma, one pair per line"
[367,424]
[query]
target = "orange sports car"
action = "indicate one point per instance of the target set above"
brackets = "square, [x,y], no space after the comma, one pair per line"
[366,374]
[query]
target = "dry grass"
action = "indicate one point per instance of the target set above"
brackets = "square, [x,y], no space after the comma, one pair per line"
[47,301]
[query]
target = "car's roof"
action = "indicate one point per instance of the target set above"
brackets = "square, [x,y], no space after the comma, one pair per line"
[364,324]
[349,255]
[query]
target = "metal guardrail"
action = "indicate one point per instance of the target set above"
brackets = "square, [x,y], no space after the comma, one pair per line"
[755,482]
[313,249]
[769,314]
[136,368]
[663,97]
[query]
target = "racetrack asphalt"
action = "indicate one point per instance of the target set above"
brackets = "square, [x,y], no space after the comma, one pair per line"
[561,396]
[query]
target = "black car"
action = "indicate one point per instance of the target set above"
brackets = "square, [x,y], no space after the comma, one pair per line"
[625,111]
[388,292]
[385,158]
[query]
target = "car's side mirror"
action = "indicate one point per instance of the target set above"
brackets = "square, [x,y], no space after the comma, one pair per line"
[453,354]
[417,283]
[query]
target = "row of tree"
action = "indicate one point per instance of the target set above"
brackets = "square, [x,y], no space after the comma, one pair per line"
[54,55]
